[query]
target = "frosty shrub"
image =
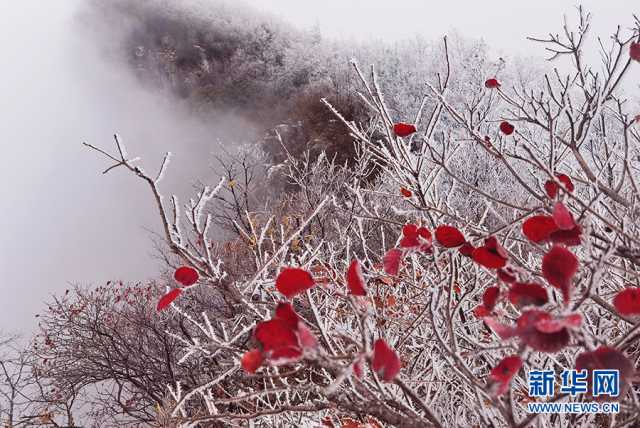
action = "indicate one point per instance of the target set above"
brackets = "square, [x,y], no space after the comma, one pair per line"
[417,286]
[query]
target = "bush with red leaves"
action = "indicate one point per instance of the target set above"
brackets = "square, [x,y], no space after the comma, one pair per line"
[402,307]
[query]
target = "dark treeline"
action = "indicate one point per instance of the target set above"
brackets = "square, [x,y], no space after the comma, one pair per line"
[228,58]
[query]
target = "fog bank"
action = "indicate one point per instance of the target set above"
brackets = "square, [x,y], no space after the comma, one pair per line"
[63,221]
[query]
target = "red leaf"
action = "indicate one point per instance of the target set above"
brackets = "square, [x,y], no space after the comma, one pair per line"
[285,337]
[284,311]
[168,298]
[355,279]
[492,83]
[391,261]
[605,358]
[285,355]
[414,236]
[404,129]
[252,360]
[506,275]
[490,297]
[506,128]
[409,242]
[634,51]
[405,192]
[292,281]
[492,244]
[568,237]
[523,294]
[502,330]
[186,275]
[531,335]
[357,368]
[539,228]
[385,361]
[449,236]
[424,233]
[466,249]
[551,325]
[409,236]
[275,334]
[481,312]
[491,255]
[559,266]
[627,302]
[410,230]
[566,180]
[307,339]
[502,374]
[551,187]
[486,258]
[562,216]
[573,320]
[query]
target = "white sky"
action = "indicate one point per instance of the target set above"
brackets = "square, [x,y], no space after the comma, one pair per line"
[61,221]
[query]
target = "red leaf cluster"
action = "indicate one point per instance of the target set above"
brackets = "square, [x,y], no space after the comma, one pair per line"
[552,187]
[606,358]
[414,237]
[492,83]
[293,281]
[538,330]
[501,375]
[506,128]
[402,129]
[186,275]
[283,339]
[355,279]
[559,266]
[627,302]
[491,255]
[385,362]
[520,295]
[560,227]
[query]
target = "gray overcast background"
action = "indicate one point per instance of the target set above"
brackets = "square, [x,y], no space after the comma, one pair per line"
[63,222]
